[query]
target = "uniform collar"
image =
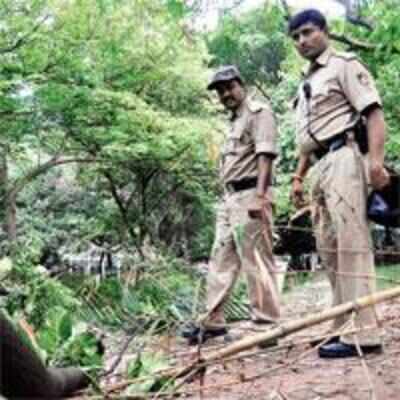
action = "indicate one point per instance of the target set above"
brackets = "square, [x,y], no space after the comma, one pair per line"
[321,61]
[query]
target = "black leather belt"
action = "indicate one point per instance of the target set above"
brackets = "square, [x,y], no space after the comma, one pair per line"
[331,145]
[243,184]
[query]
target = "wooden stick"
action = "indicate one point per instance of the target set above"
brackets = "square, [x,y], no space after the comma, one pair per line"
[293,326]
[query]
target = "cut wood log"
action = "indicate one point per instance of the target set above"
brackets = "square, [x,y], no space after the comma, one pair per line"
[289,328]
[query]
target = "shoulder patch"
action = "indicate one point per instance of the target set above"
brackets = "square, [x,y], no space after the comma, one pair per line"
[257,106]
[346,55]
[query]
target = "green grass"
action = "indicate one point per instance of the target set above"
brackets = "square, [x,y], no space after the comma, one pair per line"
[390,274]
[295,280]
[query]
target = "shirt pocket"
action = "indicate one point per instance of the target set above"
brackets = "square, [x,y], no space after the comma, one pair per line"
[323,94]
[320,94]
[237,138]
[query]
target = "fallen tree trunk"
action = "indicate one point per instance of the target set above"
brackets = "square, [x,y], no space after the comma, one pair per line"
[288,328]
[23,374]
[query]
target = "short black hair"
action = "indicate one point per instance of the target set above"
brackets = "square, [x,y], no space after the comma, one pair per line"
[304,17]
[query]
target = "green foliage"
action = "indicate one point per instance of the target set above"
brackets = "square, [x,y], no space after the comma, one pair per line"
[145,366]
[111,289]
[387,276]
[384,62]
[51,308]
[119,88]
[177,8]
[81,349]
[34,292]
[255,42]
[161,297]
[67,341]
[5,268]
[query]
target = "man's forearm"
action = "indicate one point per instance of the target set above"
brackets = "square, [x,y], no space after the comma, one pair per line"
[264,166]
[376,135]
[302,166]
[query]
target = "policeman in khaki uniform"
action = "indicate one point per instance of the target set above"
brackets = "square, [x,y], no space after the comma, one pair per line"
[244,217]
[336,94]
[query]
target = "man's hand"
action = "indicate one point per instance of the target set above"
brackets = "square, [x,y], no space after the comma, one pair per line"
[257,206]
[297,194]
[378,175]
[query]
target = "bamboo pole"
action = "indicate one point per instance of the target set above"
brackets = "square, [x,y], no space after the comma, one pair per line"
[291,327]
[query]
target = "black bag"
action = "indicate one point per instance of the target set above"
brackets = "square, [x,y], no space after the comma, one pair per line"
[383,206]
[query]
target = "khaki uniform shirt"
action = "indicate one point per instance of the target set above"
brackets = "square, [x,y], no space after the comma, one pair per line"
[341,88]
[252,132]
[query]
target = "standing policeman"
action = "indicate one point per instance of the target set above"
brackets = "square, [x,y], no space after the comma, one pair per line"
[336,95]
[244,216]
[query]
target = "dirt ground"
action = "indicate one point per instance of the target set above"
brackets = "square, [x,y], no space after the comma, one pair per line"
[295,372]
[292,370]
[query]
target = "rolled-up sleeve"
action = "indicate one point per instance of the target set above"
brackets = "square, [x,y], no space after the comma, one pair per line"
[359,86]
[264,132]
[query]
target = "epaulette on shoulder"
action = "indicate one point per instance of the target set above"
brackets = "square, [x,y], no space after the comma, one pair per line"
[348,56]
[257,106]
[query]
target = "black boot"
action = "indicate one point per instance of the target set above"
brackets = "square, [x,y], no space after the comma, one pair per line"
[197,335]
[344,350]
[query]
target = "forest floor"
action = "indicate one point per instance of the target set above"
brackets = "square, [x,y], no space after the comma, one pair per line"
[292,370]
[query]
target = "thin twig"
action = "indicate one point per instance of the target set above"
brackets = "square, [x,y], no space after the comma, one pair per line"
[119,358]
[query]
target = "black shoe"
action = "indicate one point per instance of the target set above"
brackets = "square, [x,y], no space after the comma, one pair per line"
[187,331]
[197,335]
[344,350]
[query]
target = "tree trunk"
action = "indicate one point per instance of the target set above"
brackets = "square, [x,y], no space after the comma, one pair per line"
[8,208]
[11,218]
[3,185]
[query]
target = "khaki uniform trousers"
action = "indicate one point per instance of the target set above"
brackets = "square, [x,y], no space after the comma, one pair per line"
[244,243]
[339,193]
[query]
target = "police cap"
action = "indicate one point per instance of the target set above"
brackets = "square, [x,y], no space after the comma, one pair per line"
[224,74]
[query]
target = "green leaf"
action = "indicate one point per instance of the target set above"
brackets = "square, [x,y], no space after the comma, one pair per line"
[176,8]
[5,267]
[146,365]
[65,327]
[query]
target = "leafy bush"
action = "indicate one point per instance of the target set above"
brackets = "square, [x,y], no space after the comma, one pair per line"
[145,366]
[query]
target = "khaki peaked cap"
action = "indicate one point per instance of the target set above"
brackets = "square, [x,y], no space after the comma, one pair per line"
[224,74]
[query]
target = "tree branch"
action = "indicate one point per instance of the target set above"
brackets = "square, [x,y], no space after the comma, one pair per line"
[19,184]
[353,14]
[123,210]
[353,43]
[24,39]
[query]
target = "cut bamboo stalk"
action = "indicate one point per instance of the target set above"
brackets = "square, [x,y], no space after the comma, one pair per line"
[291,327]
